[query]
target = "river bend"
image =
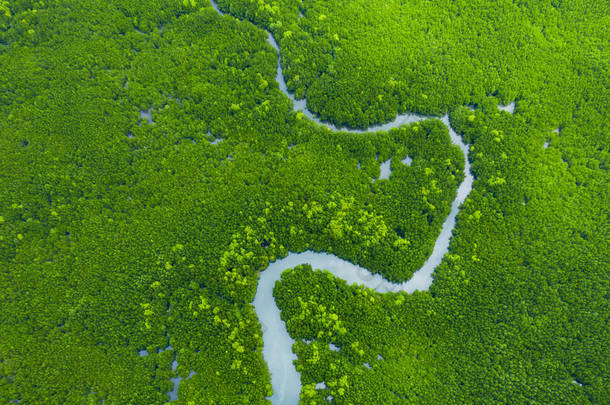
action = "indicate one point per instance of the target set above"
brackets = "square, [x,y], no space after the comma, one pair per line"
[277,344]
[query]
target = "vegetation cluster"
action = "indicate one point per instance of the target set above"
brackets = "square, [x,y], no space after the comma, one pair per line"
[359,62]
[120,234]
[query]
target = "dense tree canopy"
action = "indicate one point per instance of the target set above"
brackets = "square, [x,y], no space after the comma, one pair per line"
[518,311]
[120,234]
[359,62]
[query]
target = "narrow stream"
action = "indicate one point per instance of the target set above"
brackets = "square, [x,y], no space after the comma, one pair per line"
[277,344]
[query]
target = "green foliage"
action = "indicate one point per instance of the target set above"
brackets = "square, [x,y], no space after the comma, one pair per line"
[119,235]
[360,62]
[518,309]
[115,244]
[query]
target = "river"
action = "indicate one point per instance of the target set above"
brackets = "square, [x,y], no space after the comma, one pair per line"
[277,344]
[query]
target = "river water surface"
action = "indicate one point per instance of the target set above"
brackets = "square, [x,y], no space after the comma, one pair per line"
[277,344]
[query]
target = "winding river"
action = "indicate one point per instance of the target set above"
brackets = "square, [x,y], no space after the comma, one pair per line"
[277,344]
